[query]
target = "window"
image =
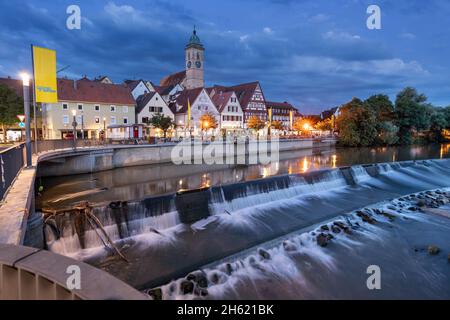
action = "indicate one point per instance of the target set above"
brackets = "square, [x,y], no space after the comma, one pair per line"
[97,108]
[97,120]
[113,120]
[79,120]
[65,119]
[151,109]
[125,109]
[80,107]
[125,120]
[145,120]
[160,109]
[113,109]
[65,106]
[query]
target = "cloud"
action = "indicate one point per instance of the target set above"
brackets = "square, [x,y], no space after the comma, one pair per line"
[408,35]
[313,61]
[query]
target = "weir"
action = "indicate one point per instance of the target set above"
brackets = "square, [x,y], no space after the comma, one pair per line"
[206,225]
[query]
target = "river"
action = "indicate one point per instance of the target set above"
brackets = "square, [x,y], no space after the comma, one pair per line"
[260,233]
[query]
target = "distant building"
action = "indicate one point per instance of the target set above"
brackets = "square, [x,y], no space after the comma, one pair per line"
[193,75]
[96,105]
[139,87]
[282,111]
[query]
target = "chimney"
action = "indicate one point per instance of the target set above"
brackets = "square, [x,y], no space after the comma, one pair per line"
[75,85]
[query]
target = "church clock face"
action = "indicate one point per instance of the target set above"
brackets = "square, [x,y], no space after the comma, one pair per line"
[189,64]
[198,64]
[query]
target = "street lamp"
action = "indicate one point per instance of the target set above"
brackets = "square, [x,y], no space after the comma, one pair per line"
[26,104]
[74,125]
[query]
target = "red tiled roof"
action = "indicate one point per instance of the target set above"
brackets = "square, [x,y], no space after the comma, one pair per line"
[173,79]
[94,92]
[142,101]
[132,84]
[15,85]
[221,99]
[244,92]
[183,98]
[278,106]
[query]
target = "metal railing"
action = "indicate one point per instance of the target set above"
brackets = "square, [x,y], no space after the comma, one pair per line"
[12,160]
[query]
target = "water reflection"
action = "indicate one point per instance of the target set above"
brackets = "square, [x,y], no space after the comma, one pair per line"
[139,182]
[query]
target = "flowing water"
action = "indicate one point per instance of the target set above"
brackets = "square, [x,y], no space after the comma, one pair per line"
[220,230]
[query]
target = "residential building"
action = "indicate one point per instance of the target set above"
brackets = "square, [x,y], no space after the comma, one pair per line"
[200,103]
[250,96]
[231,114]
[96,105]
[283,112]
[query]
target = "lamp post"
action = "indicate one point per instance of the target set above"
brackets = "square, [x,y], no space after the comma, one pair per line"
[26,104]
[74,125]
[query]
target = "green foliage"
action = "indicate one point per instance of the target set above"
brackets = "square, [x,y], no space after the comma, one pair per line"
[387,133]
[325,125]
[357,124]
[160,121]
[412,114]
[11,105]
[382,106]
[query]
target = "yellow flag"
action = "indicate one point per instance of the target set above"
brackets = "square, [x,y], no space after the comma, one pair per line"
[291,119]
[189,115]
[44,69]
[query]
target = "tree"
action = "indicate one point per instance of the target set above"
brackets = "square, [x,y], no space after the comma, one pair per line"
[438,122]
[208,121]
[382,106]
[325,125]
[11,105]
[255,123]
[411,114]
[387,133]
[277,125]
[160,121]
[357,124]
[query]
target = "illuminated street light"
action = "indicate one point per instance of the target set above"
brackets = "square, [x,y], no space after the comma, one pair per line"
[26,105]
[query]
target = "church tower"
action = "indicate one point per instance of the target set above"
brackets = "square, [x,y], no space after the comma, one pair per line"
[195,58]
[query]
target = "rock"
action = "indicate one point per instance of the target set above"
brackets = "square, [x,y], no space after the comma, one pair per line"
[323,239]
[413,209]
[199,278]
[229,268]
[289,246]
[156,293]
[187,287]
[264,254]
[215,278]
[342,226]
[202,292]
[391,217]
[365,217]
[433,250]
[335,229]
[324,228]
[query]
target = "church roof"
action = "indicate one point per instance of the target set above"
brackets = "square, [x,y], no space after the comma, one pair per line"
[173,79]
[194,40]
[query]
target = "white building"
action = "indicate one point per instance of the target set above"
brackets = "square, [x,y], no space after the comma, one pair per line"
[231,114]
[200,103]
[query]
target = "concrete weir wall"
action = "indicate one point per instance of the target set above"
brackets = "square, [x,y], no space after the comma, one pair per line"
[88,160]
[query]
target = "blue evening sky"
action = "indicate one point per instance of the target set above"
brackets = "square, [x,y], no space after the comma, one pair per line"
[315,54]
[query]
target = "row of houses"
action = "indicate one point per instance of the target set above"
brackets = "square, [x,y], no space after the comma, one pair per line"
[98,104]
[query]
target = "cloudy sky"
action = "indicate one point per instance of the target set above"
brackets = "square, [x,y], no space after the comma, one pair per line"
[314,53]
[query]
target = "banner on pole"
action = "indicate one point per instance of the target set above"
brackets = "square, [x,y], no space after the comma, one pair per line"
[44,69]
